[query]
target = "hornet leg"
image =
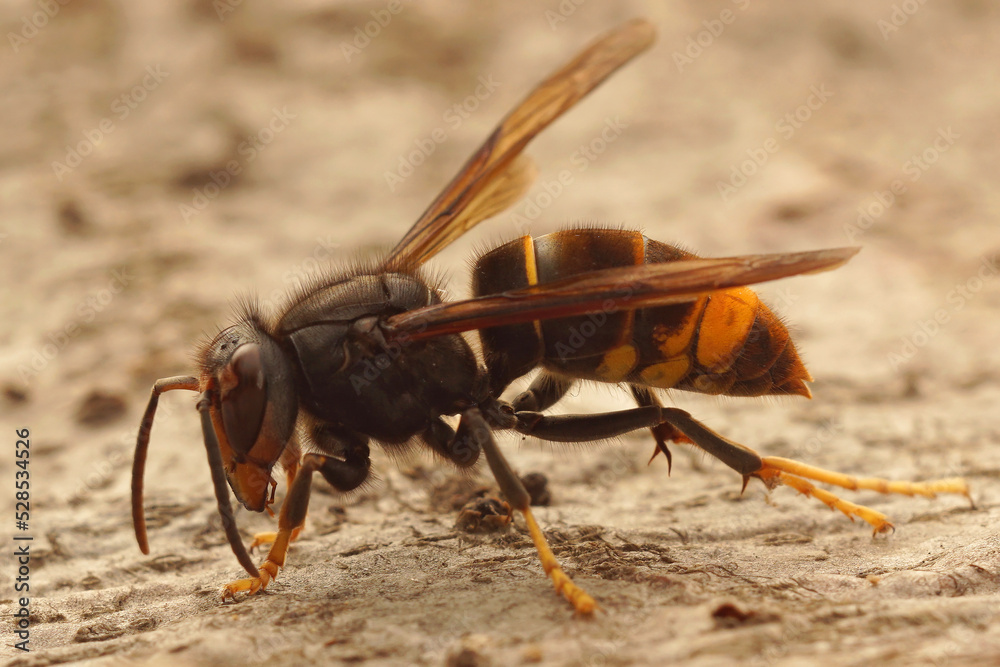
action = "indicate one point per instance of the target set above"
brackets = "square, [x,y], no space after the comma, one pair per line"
[518,497]
[343,475]
[771,470]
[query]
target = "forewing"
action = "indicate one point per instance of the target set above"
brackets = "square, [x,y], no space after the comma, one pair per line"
[501,192]
[453,213]
[609,290]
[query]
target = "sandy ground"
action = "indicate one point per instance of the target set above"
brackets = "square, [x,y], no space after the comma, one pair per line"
[108,283]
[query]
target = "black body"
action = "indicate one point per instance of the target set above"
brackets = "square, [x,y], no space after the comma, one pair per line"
[355,381]
[350,376]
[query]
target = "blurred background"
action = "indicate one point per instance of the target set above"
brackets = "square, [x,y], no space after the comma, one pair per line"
[161,158]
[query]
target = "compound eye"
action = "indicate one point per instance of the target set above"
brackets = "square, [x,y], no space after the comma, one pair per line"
[244,398]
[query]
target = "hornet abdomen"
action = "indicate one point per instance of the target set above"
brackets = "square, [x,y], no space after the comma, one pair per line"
[726,342]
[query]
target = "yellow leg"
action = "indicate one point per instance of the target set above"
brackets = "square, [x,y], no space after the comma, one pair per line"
[269,537]
[929,489]
[879,522]
[581,601]
[260,539]
[776,470]
[290,521]
[519,499]
[268,569]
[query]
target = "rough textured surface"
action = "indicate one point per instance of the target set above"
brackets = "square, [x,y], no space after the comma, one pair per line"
[107,287]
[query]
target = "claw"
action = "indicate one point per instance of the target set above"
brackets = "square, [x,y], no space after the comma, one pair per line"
[662,447]
[268,572]
[773,476]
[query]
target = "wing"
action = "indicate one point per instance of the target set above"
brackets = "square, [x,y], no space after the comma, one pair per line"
[608,290]
[472,196]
